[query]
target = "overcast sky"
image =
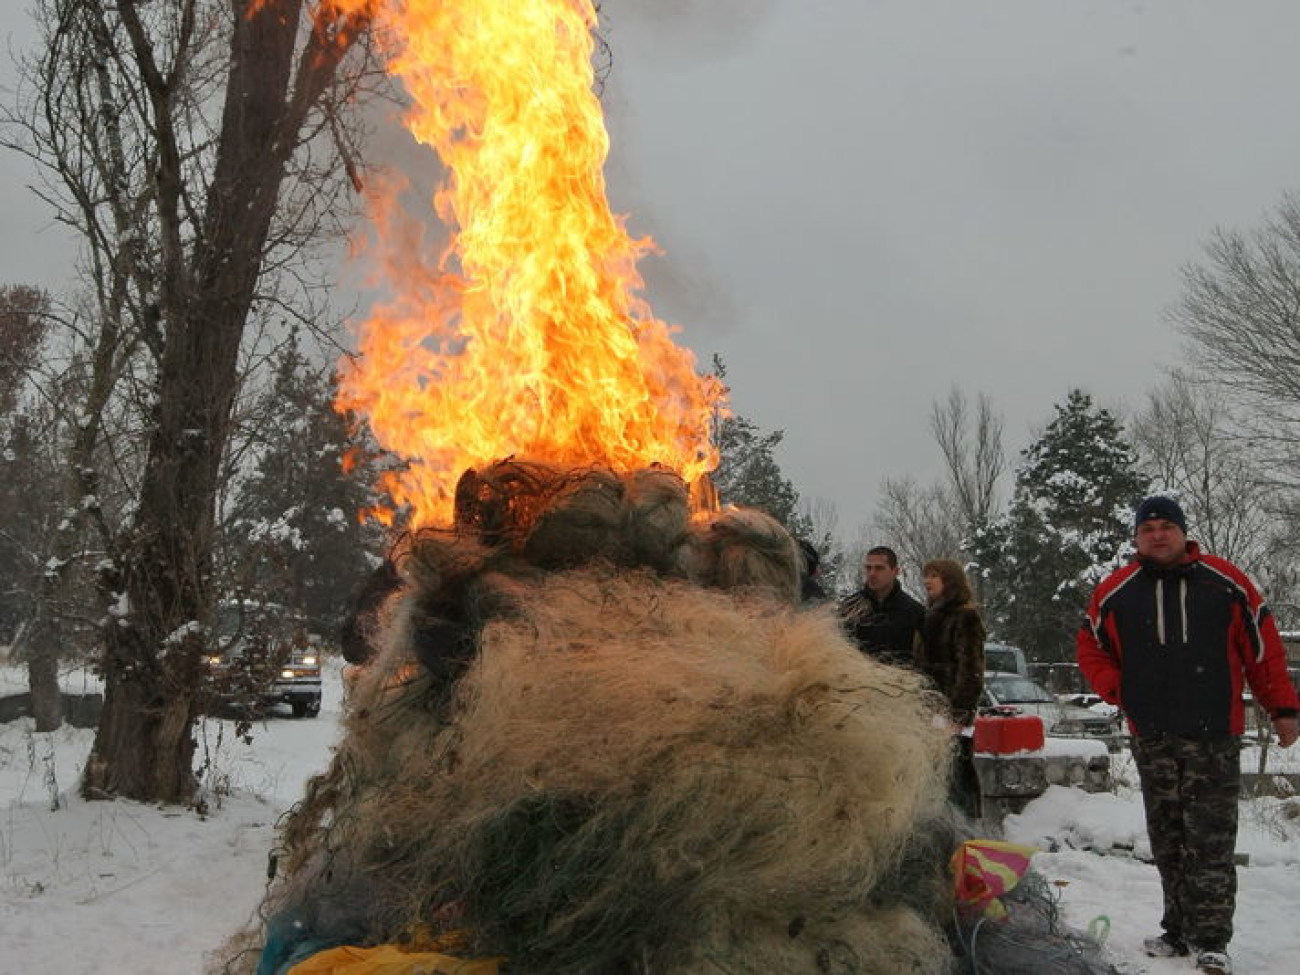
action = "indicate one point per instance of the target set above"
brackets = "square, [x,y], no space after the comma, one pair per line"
[863,202]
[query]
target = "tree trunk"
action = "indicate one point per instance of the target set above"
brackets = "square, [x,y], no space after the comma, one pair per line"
[43,682]
[161,586]
[143,747]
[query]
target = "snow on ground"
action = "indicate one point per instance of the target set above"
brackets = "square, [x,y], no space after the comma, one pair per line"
[1097,852]
[120,887]
[109,887]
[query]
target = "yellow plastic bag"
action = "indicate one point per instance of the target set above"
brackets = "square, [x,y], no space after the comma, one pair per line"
[391,960]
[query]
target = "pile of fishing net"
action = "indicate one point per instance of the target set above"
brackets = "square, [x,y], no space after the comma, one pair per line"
[1006,919]
[599,737]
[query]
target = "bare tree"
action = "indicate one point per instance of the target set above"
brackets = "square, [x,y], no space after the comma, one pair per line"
[1192,447]
[920,523]
[1241,309]
[198,148]
[972,453]
[24,323]
[936,520]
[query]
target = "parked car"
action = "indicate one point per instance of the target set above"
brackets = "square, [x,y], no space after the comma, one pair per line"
[1013,693]
[1084,699]
[262,655]
[1061,678]
[1006,659]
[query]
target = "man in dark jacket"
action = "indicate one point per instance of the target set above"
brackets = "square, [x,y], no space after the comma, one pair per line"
[880,616]
[1170,638]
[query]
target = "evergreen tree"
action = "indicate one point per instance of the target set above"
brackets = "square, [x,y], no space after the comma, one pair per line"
[748,474]
[1069,522]
[296,537]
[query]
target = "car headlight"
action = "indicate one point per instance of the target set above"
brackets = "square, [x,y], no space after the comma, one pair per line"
[288,674]
[309,661]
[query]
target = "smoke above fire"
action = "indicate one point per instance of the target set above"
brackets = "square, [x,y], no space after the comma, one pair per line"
[527,335]
[689,30]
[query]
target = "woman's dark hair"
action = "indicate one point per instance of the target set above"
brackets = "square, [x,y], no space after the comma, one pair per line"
[811,557]
[956,587]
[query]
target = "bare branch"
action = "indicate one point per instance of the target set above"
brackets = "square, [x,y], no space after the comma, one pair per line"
[972,453]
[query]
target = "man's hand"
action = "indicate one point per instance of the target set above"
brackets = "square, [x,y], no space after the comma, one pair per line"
[1288,730]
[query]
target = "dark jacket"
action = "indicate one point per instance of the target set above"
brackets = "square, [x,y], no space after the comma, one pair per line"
[810,590]
[950,652]
[1172,646]
[883,628]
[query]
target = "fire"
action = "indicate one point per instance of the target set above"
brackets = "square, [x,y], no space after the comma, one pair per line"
[528,336]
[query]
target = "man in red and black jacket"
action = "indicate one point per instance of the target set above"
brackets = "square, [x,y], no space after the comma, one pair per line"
[1170,638]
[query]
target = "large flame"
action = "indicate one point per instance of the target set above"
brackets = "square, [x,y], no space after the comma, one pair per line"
[528,337]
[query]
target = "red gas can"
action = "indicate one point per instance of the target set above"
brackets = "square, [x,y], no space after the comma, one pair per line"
[1006,736]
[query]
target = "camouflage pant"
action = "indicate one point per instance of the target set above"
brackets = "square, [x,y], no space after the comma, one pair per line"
[1190,789]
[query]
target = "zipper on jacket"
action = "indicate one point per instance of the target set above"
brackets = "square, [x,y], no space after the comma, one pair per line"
[1160,611]
[1182,603]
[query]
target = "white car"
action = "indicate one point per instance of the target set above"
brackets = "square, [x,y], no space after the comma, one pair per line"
[261,655]
[1012,693]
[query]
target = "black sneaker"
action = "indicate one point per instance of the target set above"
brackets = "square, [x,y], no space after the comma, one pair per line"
[1165,946]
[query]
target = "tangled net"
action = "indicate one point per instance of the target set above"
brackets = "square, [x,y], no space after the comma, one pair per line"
[598,738]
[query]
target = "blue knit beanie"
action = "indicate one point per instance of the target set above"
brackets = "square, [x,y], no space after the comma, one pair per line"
[1160,506]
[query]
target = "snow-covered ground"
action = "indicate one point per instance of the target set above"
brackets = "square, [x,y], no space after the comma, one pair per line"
[112,887]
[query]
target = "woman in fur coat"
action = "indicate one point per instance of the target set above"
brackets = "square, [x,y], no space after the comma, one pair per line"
[950,651]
